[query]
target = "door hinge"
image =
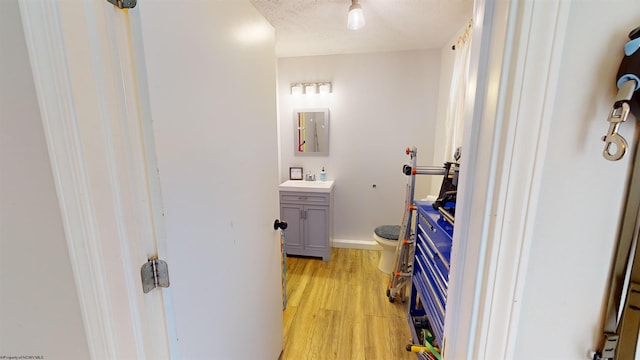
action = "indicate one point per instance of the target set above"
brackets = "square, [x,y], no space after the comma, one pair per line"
[609,348]
[629,327]
[155,273]
[124,4]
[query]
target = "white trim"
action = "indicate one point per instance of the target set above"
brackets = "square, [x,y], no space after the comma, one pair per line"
[536,100]
[132,179]
[100,166]
[47,54]
[466,256]
[355,244]
[119,191]
[511,113]
[152,176]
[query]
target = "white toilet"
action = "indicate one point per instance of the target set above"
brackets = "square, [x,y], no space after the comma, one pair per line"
[387,237]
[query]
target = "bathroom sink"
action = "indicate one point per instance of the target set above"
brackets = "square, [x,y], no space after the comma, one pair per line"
[308,186]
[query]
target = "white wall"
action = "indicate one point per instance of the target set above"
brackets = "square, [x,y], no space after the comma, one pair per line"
[38,302]
[582,193]
[447,59]
[381,104]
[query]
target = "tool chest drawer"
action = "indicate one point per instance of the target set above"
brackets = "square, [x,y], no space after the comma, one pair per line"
[430,277]
[439,281]
[436,231]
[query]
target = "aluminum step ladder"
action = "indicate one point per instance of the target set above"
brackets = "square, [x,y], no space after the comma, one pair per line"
[400,276]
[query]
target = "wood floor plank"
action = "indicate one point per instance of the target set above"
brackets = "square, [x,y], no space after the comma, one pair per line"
[338,310]
[399,337]
[298,334]
[288,316]
[352,339]
[341,298]
[377,346]
[298,276]
[377,303]
[321,346]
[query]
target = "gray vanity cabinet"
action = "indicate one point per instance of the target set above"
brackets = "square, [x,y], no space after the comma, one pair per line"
[308,215]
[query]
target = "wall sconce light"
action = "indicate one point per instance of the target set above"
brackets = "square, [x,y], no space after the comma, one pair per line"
[297,89]
[310,88]
[324,88]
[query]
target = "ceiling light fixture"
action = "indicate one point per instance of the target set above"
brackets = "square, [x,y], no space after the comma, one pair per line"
[356,18]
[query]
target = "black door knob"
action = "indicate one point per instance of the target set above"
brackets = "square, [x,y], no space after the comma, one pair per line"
[279,225]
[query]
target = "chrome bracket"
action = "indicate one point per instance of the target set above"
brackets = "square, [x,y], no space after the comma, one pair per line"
[154,273]
[609,347]
[124,4]
[619,114]
[629,328]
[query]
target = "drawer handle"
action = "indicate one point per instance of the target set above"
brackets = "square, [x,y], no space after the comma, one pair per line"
[424,219]
[433,247]
[429,286]
[425,250]
[428,223]
[302,198]
[431,226]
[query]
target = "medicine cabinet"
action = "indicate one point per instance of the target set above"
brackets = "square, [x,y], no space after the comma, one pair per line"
[311,132]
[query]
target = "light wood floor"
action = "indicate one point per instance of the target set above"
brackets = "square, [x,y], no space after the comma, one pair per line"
[338,310]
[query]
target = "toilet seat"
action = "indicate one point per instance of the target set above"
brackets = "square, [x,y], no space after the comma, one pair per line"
[387,234]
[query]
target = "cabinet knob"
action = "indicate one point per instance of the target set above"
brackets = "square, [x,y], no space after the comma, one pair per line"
[279,225]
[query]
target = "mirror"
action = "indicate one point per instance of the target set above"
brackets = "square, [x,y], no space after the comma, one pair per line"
[311,132]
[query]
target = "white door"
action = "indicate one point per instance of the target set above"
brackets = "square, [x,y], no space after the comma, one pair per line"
[199,76]
[211,80]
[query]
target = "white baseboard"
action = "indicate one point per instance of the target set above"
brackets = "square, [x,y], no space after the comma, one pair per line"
[356,244]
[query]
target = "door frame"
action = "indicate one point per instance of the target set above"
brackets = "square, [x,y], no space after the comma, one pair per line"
[508,112]
[100,158]
[498,187]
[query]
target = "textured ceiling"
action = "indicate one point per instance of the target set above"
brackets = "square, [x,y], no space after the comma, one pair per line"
[319,27]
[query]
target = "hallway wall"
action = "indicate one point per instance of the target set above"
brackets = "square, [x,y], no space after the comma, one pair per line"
[39,306]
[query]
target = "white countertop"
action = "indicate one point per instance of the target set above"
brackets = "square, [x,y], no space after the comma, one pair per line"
[308,186]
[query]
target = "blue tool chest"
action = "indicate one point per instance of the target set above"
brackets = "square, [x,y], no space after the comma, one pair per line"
[430,279]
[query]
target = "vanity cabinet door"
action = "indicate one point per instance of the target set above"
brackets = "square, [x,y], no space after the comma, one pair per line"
[316,227]
[292,215]
[308,216]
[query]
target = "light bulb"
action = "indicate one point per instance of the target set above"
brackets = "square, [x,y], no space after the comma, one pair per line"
[296,89]
[325,88]
[356,17]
